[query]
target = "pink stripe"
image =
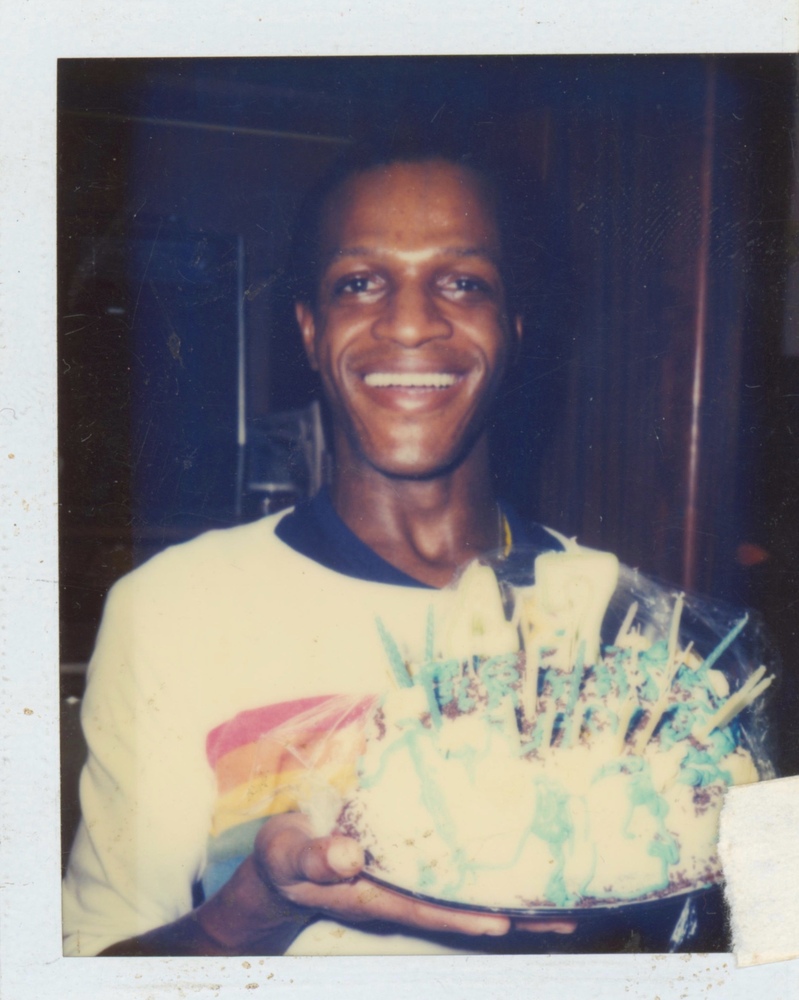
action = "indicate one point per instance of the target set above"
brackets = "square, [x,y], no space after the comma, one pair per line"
[247,727]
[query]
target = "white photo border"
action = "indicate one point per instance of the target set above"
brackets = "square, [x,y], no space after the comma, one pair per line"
[34,36]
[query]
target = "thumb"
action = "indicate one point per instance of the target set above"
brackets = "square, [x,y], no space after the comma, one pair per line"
[330,859]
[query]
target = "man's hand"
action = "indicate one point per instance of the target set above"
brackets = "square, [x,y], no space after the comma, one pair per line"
[290,879]
[322,876]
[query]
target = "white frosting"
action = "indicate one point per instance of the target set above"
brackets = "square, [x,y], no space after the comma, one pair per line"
[545,778]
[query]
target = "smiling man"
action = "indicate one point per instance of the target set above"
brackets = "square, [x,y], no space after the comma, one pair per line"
[411,336]
[229,668]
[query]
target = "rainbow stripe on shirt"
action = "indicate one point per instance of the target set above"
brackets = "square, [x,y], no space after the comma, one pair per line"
[272,760]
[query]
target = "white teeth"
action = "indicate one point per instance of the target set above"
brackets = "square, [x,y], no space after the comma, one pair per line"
[410,380]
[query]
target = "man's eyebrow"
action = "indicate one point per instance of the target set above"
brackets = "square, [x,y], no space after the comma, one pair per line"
[364,251]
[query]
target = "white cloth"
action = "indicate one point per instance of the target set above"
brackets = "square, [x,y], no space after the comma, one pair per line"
[760,852]
[231,621]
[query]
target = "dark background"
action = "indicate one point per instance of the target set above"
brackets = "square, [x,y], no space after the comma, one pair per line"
[655,408]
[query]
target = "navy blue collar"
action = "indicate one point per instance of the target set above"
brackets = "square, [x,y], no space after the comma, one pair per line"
[315,530]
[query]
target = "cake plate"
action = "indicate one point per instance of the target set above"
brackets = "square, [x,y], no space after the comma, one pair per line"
[690,919]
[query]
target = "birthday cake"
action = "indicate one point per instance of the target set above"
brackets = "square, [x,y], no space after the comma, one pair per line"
[528,763]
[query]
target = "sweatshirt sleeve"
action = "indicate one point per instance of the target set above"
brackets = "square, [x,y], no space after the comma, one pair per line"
[146,792]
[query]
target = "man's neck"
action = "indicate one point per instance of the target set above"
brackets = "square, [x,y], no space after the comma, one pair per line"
[427,528]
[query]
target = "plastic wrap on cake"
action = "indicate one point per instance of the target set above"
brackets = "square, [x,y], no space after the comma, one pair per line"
[565,742]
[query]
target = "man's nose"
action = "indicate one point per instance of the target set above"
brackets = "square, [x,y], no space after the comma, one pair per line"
[411,317]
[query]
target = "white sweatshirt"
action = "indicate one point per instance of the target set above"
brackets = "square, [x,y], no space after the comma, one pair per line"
[205,635]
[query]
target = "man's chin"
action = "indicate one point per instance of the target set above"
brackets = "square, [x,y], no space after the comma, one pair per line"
[415,457]
[413,466]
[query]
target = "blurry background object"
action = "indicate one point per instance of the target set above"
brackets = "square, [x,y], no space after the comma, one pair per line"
[286,459]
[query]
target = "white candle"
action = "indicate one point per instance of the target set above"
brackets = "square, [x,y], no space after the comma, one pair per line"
[573,589]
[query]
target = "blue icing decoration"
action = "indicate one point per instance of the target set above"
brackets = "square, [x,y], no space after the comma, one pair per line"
[642,793]
[667,850]
[619,660]
[466,699]
[592,720]
[499,675]
[430,792]
[723,742]
[656,655]
[553,824]
[624,765]
[699,774]
[700,767]
[691,679]
[664,846]
[677,725]
[427,679]
[369,780]
[430,644]
[649,690]
[726,642]
[560,684]
[447,677]
[604,681]
[398,666]
[573,693]
[537,737]
[652,659]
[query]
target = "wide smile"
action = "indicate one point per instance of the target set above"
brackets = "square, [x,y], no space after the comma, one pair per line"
[411,380]
[415,392]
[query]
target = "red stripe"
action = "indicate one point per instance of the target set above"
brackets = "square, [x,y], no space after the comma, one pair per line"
[247,727]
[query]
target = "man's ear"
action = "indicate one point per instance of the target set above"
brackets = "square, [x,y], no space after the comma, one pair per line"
[307,325]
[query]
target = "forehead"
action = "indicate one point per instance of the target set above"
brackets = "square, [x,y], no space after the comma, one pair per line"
[410,206]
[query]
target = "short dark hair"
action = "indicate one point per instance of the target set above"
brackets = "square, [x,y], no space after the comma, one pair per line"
[400,147]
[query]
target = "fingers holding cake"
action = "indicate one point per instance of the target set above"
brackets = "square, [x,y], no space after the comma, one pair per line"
[322,874]
[545,926]
[288,855]
[376,902]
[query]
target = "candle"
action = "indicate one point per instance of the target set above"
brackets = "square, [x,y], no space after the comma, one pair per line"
[573,590]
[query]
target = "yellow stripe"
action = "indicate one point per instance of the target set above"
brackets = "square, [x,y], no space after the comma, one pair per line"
[272,794]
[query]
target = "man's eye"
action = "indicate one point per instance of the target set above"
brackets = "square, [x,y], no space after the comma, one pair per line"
[354,285]
[465,285]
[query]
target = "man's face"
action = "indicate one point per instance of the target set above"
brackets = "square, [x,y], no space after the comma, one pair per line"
[410,335]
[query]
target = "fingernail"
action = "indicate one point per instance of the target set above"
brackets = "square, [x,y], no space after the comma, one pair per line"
[496,928]
[343,857]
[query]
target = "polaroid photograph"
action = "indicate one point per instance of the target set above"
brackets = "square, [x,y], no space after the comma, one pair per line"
[427,523]
[610,323]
